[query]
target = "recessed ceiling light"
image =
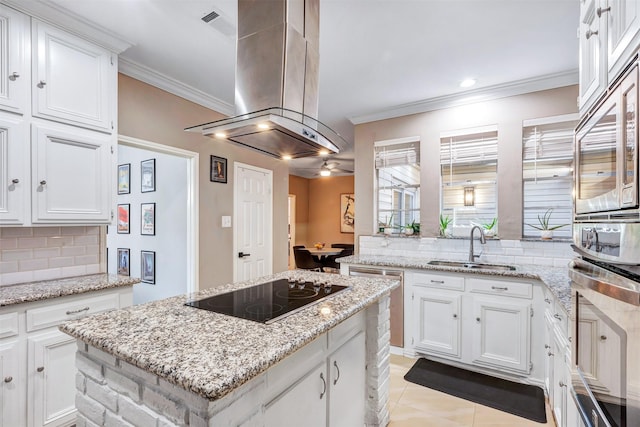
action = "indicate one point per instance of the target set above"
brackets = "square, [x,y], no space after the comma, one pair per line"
[220,135]
[467,82]
[286,157]
[263,126]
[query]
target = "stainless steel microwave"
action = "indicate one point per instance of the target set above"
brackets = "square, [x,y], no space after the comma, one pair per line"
[606,152]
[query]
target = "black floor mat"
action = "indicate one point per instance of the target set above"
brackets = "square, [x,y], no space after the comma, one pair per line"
[519,399]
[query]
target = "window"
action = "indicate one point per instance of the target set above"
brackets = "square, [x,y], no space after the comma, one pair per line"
[397,165]
[468,175]
[547,172]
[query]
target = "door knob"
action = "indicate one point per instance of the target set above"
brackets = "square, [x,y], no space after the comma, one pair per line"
[242,255]
[601,10]
[14,76]
[590,33]
[8,379]
[43,182]
[42,83]
[40,368]
[15,180]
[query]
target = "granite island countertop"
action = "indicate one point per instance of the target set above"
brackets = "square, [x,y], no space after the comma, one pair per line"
[555,278]
[212,354]
[47,289]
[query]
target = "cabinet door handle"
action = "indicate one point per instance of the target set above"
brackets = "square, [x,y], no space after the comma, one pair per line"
[69,312]
[549,354]
[562,384]
[42,83]
[43,182]
[601,10]
[478,319]
[557,316]
[455,316]
[14,76]
[8,379]
[499,288]
[547,346]
[40,368]
[603,337]
[335,363]
[324,386]
[15,180]
[438,281]
[590,33]
[547,300]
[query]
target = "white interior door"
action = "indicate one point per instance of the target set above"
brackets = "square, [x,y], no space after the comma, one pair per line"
[253,211]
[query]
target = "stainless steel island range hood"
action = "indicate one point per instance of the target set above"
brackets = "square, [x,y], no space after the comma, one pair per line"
[277,82]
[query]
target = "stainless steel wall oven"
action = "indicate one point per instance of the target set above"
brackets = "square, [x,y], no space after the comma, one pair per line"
[605,283]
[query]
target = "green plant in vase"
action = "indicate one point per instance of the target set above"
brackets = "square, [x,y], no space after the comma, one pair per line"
[413,228]
[489,228]
[445,220]
[546,230]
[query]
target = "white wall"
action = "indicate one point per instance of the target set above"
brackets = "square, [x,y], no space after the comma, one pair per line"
[170,240]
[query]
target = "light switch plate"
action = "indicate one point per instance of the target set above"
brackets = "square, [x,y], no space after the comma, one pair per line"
[226,221]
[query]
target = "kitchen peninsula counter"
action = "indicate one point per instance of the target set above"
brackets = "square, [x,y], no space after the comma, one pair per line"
[555,278]
[212,355]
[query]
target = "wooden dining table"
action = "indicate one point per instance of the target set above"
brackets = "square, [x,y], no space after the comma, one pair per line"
[324,251]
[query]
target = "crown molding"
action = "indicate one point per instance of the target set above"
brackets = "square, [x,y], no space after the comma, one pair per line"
[168,84]
[519,87]
[47,11]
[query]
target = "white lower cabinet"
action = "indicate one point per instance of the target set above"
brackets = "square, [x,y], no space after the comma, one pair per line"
[37,361]
[437,321]
[51,379]
[482,322]
[502,333]
[324,384]
[304,404]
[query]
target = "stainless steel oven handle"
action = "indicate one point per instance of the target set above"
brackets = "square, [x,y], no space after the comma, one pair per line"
[593,277]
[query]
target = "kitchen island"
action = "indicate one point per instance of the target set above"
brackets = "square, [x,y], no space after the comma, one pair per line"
[165,363]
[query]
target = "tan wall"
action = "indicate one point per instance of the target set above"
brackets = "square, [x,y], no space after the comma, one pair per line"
[299,187]
[151,114]
[507,113]
[318,209]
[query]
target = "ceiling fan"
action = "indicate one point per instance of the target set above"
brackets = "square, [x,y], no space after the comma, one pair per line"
[328,167]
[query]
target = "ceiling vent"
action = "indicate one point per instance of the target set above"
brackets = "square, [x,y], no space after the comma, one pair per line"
[210,16]
[217,21]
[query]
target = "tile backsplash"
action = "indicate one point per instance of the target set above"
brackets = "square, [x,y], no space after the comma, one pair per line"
[496,251]
[45,253]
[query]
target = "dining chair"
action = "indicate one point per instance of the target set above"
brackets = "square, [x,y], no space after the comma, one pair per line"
[343,245]
[305,261]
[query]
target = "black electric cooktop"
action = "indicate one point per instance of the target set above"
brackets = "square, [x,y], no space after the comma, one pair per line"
[269,301]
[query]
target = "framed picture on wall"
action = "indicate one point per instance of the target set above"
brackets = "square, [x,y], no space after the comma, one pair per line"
[124,178]
[148,267]
[148,219]
[218,172]
[148,175]
[347,213]
[123,261]
[123,218]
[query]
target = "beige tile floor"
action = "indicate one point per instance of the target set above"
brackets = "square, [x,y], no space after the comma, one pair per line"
[412,405]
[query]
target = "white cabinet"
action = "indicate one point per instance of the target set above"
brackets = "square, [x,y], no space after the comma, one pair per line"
[347,386]
[65,89]
[12,385]
[71,175]
[502,333]
[304,404]
[437,321]
[609,35]
[72,79]
[15,60]
[51,379]
[37,361]
[14,169]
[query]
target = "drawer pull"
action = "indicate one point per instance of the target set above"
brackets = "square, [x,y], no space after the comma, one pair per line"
[324,386]
[603,337]
[478,319]
[40,368]
[557,316]
[547,300]
[499,288]
[562,384]
[438,281]
[8,379]
[69,312]
[549,354]
[455,316]
[335,363]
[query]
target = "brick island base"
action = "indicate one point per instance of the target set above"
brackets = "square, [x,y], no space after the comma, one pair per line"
[112,392]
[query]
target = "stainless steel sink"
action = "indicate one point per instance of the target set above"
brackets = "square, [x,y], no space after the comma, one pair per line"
[472,265]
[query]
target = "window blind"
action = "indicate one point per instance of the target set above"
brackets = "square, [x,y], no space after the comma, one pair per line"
[389,155]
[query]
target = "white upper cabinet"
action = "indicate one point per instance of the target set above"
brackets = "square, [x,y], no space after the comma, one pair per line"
[609,37]
[73,79]
[71,175]
[14,60]
[623,33]
[14,169]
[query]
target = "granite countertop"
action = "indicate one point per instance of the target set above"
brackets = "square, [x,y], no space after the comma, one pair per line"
[211,354]
[556,278]
[43,290]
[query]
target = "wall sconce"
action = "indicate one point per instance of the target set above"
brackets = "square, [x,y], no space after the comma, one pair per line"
[469,196]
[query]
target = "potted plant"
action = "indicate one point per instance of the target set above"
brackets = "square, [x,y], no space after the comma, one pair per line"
[489,228]
[413,228]
[546,231]
[389,228]
[445,220]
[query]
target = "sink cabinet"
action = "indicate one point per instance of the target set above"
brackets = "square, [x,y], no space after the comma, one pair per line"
[481,322]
